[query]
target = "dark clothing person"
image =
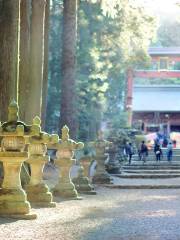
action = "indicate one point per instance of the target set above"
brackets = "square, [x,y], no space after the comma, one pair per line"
[129,151]
[169,151]
[165,142]
[158,152]
[143,152]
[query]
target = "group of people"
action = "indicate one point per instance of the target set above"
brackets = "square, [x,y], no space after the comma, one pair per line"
[158,151]
[143,151]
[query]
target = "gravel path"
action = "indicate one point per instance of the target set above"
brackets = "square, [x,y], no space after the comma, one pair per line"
[111,215]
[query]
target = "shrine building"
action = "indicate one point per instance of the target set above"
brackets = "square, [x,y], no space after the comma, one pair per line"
[155,107]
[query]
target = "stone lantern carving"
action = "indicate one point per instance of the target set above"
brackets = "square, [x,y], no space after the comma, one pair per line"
[13,199]
[82,182]
[101,146]
[113,164]
[64,159]
[37,191]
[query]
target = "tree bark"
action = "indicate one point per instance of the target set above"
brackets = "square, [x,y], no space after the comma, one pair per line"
[9,50]
[36,59]
[25,7]
[45,70]
[68,97]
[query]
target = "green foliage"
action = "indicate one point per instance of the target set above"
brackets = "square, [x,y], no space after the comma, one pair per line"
[169,33]
[121,136]
[139,139]
[54,75]
[107,45]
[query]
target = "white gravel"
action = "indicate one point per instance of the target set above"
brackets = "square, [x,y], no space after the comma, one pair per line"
[111,215]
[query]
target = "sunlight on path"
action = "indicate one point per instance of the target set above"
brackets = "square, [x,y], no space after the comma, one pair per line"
[112,214]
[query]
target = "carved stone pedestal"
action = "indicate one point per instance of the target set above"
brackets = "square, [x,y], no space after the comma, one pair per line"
[13,199]
[65,151]
[113,164]
[38,193]
[65,187]
[101,145]
[82,182]
[85,162]
[101,176]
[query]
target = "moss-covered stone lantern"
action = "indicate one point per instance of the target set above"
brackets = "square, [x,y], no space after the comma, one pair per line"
[64,159]
[82,182]
[13,199]
[38,193]
[101,146]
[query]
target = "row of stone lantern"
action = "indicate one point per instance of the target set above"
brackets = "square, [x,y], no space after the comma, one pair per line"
[27,143]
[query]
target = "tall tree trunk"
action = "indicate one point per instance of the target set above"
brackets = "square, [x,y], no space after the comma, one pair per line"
[68,98]
[36,59]
[24,57]
[45,70]
[9,50]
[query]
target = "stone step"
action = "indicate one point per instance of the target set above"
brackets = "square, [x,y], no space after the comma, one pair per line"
[150,167]
[147,175]
[153,155]
[153,158]
[154,162]
[143,186]
[154,171]
[145,183]
[175,150]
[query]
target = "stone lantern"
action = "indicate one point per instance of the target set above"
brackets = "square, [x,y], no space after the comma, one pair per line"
[101,146]
[82,182]
[38,193]
[113,164]
[65,151]
[13,199]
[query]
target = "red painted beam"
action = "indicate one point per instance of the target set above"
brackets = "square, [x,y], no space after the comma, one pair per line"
[129,95]
[129,88]
[157,74]
[170,58]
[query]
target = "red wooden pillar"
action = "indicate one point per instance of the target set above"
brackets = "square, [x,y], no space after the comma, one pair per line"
[145,125]
[129,95]
[168,128]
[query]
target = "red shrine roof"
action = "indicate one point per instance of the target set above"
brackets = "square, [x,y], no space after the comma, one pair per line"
[164,51]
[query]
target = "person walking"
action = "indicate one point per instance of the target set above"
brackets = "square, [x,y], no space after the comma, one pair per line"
[129,151]
[158,152]
[169,151]
[165,142]
[143,151]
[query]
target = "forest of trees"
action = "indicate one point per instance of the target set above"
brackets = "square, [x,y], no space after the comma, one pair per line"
[66,60]
[107,45]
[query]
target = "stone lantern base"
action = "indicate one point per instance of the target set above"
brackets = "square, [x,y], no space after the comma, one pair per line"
[13,204]
[39,195]
[82,183]
[83,186]
[102,178]
[66,190]
[65,187]
[13,199]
